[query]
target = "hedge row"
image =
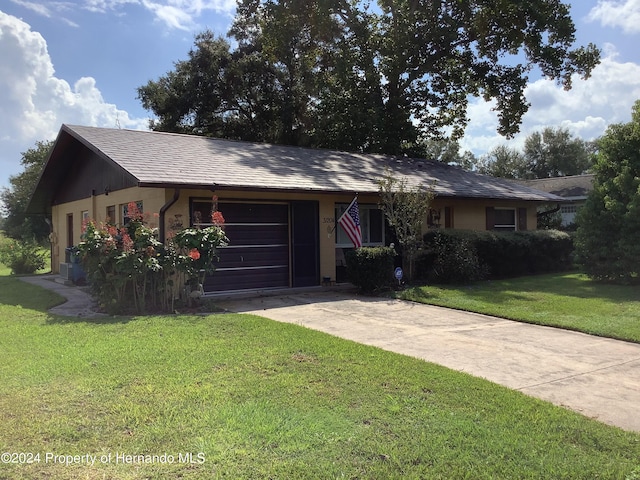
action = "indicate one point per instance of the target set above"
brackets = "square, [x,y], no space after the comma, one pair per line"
[370,268]
[459,256]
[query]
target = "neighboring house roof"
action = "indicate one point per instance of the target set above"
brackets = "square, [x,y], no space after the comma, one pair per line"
[575,187]
[166,159]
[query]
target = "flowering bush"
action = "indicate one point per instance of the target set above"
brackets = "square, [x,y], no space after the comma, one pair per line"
[129,269]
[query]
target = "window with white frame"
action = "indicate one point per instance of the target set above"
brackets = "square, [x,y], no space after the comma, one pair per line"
[505,219]
[371,224]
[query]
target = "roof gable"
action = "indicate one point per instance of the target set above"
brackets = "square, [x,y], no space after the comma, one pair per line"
[75,170]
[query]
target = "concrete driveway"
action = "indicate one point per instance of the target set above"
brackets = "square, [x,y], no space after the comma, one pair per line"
[597,377]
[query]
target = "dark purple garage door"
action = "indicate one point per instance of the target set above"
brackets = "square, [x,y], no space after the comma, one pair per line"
[258,251]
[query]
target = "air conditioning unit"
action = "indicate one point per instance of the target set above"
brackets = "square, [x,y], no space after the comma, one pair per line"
[72,273]
[66,271]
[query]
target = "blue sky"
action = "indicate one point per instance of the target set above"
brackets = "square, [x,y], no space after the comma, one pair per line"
[80,62]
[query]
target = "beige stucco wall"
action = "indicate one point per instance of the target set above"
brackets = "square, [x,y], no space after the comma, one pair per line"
[96,206]
[468,214]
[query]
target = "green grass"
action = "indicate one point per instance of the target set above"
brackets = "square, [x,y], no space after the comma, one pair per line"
[567,300]
[261,399]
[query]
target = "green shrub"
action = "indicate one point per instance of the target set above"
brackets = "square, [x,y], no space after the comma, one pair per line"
[450,258]
[371,268]
[22,257]
[461,256]
[552,251]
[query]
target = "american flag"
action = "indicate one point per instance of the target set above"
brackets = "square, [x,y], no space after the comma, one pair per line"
[350,222]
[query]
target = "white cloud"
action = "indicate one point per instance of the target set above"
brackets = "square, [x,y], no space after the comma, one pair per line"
[39,8]
[35,102]
[171,16]
[183,14]
[53,9]
[175,14]
[618,13]
[585,110]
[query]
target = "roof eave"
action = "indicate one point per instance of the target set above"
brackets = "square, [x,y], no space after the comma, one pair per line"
[252,188]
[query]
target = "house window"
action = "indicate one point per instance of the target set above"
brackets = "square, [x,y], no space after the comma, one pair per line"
[125,216]
[111,215]
[569,209]
[505,219]
[371,224]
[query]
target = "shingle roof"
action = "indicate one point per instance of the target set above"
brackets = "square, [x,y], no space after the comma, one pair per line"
[573,187]
[155,158]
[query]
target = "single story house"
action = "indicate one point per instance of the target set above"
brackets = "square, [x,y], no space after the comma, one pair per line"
[280,203]
[572,189]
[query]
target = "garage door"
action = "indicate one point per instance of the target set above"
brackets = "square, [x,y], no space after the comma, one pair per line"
[258,251]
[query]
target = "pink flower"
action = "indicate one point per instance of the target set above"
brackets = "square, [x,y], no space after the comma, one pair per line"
[127,243]
[194,254]
[217,218]
[133,212]
[85,224]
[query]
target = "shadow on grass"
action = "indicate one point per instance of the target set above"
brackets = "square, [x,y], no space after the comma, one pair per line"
[572,284]
[576,285]
[15,292]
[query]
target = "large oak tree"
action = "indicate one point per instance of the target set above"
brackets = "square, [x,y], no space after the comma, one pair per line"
[377,77]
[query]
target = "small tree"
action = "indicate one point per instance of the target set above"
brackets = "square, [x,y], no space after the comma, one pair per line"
[609,223]
[406,209]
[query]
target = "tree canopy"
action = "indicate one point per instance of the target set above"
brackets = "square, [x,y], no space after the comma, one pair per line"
[554,152]
[16,198]
[609,223]
[356,76]
[504,162]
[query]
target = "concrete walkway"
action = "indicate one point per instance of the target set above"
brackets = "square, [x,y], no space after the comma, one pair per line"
[79,303]
[595,376]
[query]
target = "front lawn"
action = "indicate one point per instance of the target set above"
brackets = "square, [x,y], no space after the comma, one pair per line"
[239,396]
[567,300]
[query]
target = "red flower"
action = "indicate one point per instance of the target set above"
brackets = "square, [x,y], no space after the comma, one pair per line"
[217,218]
[194,254]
